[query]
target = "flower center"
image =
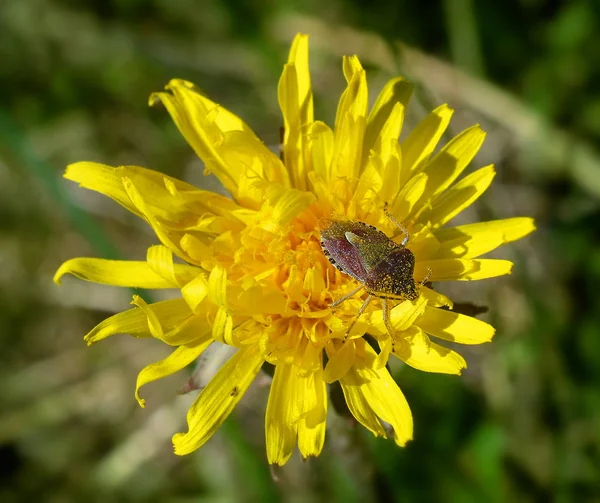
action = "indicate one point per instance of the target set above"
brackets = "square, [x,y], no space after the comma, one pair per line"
[290,262]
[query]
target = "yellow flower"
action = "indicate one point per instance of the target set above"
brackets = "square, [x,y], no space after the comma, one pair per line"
[253,274]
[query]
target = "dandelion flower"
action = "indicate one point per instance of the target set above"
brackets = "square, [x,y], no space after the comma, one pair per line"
[252,273]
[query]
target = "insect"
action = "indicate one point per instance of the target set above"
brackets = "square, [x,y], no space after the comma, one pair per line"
[384,268]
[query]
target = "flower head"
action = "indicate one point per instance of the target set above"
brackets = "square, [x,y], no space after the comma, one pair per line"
[253,274]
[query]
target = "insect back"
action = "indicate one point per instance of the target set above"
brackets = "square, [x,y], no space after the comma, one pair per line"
[384,268]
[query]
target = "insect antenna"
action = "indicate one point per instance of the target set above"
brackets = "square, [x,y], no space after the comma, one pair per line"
[393,219]
[427,276]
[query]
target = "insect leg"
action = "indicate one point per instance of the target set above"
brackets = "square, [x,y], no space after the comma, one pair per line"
[393,219]
[386,321]
[360,311]
[346,297]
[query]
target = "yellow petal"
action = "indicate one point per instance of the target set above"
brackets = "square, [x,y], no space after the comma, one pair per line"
[187,332]
[455,327]
[350,122]
[462,269]
[390,104]
[435,299]
[252,157]
[369,184]
[392,176]
[458,197]
[259,299]
[419,352]
[321,149]
[160,260]
[223,327]
[280,424]
[282,205]
[298,56]
[314,283]
[381,395]
[195,292]
[166,237]
[224,119]
[296,103]
[409,196]
[153,322]
[354,99]
[404,315]
[401,317]
[217,286]
[312,424]
[135,322]
[450,162]
[388,137]
[107,180]
[114,272]
[358,404]
[348,149]
[183,332]
[172,200]
[327,201]
[203,124]
[340,361]
[195,249]
[424,245]
[473,240]
[177,360]
[218,399]
[421,142]
[385,349]
[293,139]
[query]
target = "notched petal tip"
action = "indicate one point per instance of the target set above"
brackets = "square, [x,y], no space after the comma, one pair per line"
[154,99]
[68,174]
[276,464]
[180,83]
[178,444]
[487,337]
[402,441]
[528,227]
[306,458]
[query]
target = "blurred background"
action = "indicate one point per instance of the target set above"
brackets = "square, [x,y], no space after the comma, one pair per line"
[523,422]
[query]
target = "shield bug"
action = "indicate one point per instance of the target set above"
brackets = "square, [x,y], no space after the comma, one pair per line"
[382,267]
